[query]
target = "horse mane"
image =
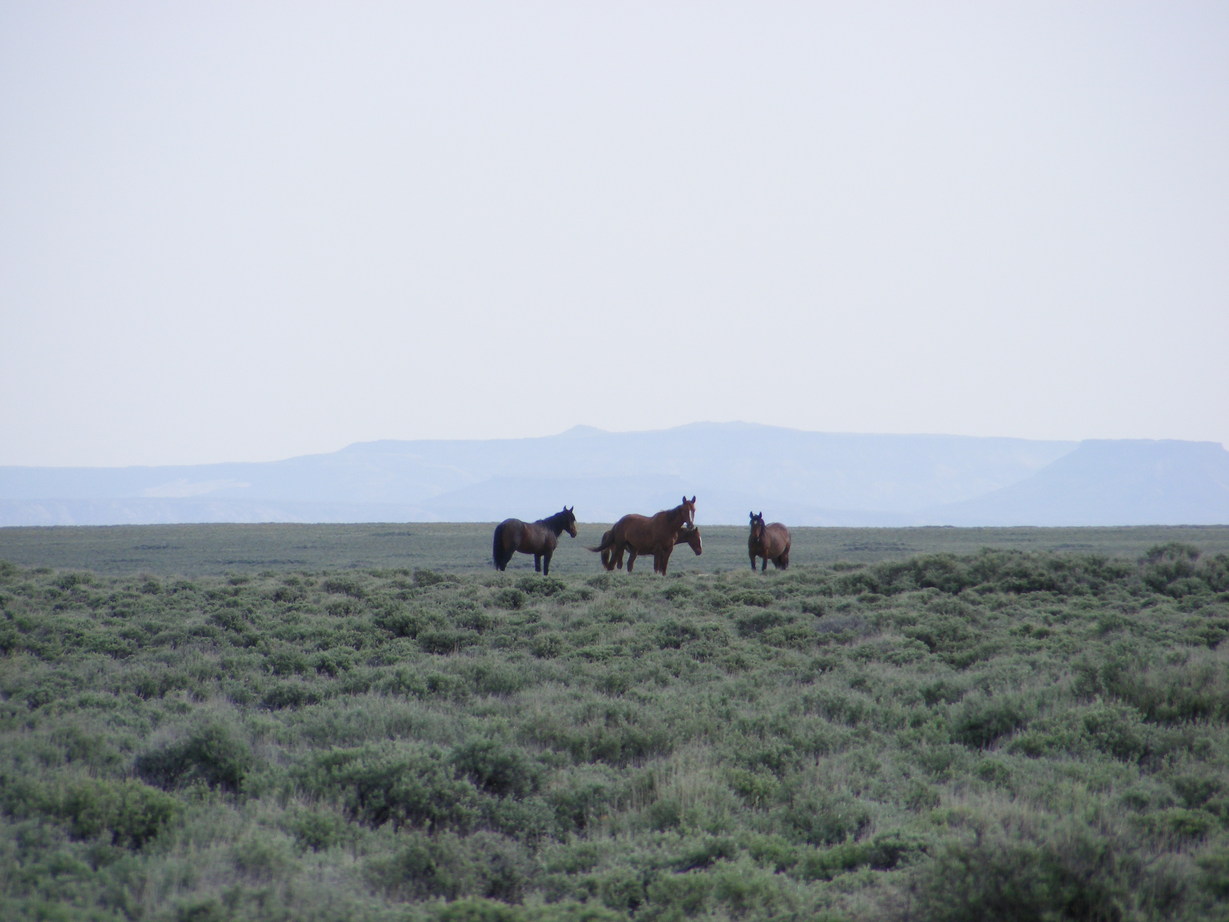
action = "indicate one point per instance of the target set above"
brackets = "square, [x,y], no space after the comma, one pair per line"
[559,521]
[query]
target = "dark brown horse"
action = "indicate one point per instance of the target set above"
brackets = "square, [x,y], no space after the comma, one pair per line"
[656,534]
[613,557]
[538,538]
[770,542]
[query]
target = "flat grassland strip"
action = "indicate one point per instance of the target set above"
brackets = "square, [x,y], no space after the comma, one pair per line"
[314,723]
[198,550]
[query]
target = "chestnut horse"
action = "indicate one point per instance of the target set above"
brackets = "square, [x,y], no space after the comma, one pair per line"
[538,538]
[771,542]
[613,557]
[656,534]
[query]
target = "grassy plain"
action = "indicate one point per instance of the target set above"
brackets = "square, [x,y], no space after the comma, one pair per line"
[368,723]
[216,550]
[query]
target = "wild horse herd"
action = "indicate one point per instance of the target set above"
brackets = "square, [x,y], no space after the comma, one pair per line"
[632,536]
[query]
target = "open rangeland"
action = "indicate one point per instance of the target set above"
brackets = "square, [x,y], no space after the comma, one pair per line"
[369,722]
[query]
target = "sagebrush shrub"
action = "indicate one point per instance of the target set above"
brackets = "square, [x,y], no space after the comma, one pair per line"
[212,754]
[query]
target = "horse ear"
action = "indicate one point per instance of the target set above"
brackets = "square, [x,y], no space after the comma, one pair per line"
[693,500]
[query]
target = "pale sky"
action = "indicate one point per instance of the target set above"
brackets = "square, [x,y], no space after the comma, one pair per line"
[245,231]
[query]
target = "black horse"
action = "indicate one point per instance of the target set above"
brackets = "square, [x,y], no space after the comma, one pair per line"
[538,538]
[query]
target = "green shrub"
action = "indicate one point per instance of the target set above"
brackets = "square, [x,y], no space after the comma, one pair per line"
[1168,568]
[213,755]
[450,866]
[510,599]
[126,813]
[1034,867]
[820,819]
[497,768]
[982,720]
[412,785]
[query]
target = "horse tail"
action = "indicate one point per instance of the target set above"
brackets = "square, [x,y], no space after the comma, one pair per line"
[499,550]
[606,545]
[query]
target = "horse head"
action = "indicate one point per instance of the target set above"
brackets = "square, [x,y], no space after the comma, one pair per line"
[689,510]
[690,535]
[757,524]
[569,520]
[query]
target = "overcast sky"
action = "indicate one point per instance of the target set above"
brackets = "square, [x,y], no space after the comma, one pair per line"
[254,230]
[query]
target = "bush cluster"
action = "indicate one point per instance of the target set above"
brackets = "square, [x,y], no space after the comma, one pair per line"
[994,735]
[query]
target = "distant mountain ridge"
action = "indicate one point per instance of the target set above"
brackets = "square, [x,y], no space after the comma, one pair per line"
[799,477]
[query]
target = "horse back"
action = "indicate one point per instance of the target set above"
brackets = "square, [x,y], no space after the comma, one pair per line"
[538,538]
[633,529]
[776,539]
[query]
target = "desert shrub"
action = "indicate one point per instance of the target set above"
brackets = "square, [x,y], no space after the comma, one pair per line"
[612,732]
[427,578]
[741,889]
[492,675]
[882,853]
[819,818]
[411,785]
[1098,727]
[444,641]
[1168,568]
[757,788]
[510,598]
[983,719]
[289,694]
[1192,687]
[125,813]
[674,633]
[1031,867]
[950,636]
[752,621]
[1214,873]
[213,755]
[548,645]
[344,584]
[582,795]
[496,767]
[449,866]
[478,909]
[540,585]
[945,572]
[316,830]
[1177,824]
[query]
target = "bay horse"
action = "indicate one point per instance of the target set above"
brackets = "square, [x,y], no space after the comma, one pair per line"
[771,542]
[612,557]
[538,538]
[656,534]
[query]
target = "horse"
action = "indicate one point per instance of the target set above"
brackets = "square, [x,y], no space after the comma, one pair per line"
[612,557]
[538,538]
[771,542]
[656,534]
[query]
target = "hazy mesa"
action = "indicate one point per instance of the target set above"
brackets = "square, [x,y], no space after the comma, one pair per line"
[802,478]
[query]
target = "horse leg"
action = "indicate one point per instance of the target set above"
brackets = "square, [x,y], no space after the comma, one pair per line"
[631,557]
[546,563]
[537,563]
[662,558]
